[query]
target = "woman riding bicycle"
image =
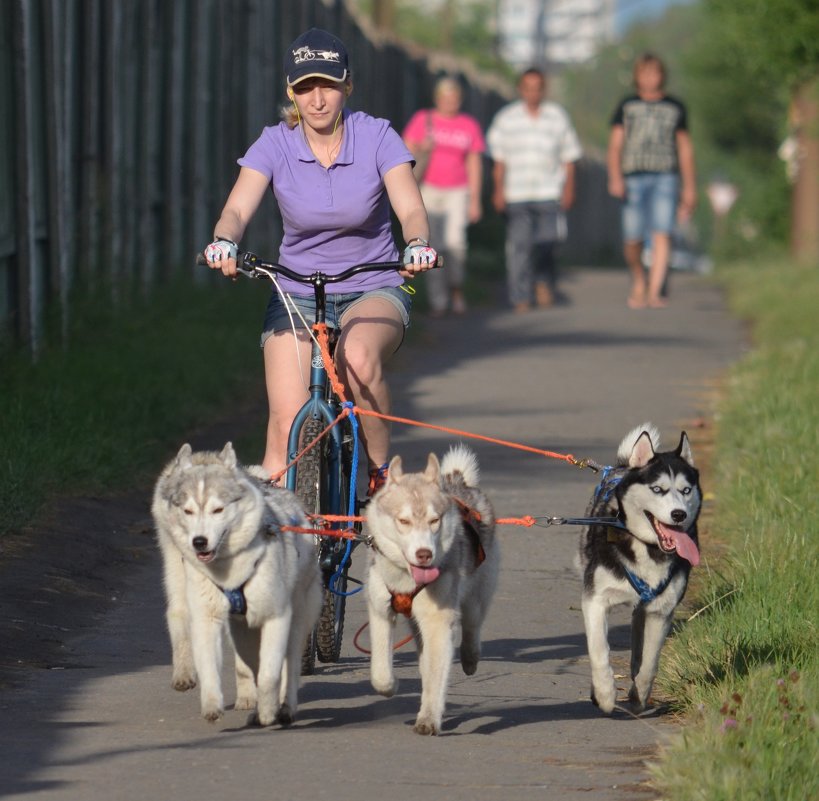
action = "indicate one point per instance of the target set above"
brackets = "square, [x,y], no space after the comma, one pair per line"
[335,174]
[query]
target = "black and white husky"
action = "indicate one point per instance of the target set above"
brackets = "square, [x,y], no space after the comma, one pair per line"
[642,560]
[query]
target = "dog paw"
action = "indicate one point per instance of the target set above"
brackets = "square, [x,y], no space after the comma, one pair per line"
[636,703]
[183,683]
[285,716]
[212,714]
[245,702]
[605,702]
[426,727]
[387,688]
[469,662]
[260,720]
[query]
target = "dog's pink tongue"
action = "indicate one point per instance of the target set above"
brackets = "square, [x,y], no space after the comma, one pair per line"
[686,547]
[424,575]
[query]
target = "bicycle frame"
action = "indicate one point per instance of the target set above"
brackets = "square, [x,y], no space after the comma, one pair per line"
[321,405]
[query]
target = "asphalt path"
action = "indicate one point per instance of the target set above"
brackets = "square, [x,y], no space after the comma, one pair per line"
[104,722]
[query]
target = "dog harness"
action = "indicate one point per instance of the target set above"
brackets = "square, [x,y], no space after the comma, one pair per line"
[605,489]
[401,602]
[236,598]
[609,480]
[644,590]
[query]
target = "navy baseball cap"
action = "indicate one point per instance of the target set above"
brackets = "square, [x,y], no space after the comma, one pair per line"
[316,54]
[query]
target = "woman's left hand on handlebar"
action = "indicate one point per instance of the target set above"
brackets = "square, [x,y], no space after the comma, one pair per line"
[221,255]
[417,259]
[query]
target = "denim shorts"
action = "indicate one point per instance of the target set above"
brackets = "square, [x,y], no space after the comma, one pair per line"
[651,204]
[276,317]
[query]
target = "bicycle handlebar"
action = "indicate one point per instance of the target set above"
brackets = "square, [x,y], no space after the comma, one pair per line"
[252,266]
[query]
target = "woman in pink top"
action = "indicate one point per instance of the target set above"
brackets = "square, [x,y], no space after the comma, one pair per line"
[450,186]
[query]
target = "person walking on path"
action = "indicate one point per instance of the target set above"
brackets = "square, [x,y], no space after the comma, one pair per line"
[335,174]
[534,148]
[450,143]
[651,168]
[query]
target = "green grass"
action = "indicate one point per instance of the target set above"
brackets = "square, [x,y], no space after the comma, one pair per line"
[136,380]
[760,601]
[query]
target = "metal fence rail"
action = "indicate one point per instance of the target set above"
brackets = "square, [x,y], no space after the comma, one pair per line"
[120,124]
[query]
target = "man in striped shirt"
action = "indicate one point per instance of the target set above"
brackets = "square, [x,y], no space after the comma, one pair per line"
[534,148]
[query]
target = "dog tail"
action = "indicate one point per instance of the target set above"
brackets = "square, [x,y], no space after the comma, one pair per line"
[627,443]
[460,459]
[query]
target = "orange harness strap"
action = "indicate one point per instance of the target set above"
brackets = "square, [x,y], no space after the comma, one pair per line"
[323,337]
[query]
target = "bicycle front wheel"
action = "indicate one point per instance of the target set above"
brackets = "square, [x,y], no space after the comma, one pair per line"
[310,491]
[330,630]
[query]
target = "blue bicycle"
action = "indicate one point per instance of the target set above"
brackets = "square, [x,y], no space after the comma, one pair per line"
[324,478]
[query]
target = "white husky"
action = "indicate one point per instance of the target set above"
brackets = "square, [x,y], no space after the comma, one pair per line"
[434,558]
[226,558]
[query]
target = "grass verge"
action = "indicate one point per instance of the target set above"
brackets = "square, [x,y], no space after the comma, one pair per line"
[747,664]
[135,381]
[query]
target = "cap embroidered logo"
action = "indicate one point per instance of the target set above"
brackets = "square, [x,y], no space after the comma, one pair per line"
[316,54]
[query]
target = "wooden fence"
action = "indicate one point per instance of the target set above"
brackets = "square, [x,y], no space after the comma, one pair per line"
[121,122]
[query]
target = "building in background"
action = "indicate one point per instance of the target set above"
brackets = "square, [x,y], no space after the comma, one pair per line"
[553,33]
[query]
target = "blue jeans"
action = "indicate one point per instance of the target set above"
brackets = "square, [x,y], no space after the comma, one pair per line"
[276,316]
[650,205]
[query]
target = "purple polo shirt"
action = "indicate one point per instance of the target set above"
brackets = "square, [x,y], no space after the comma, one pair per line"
[334,216]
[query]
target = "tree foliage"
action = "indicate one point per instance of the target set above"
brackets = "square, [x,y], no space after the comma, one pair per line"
[464,29]
[734,63]
[772,39]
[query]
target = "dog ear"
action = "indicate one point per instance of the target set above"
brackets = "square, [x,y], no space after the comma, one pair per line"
[395,470]
[432,473]
[228,455]
[183,458]
[642,452]
[684,449]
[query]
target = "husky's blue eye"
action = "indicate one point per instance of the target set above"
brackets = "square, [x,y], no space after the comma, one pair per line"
[686,491]
[657,490]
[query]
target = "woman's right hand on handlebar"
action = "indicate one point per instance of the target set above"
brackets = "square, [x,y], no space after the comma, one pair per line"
[221,255]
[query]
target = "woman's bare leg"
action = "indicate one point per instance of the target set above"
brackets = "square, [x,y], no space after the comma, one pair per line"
[372,330]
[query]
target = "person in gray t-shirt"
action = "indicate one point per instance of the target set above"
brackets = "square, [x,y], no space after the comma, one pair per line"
[651,168]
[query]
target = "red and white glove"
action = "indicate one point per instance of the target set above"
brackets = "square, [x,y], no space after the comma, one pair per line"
[221,250]
[418,251]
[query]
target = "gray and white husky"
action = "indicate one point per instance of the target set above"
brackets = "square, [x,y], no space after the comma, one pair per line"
[644,561]
[433,558]
[227,559]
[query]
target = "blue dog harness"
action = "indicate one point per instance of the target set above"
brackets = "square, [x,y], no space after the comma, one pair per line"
[609,480]
[646,592]
[236,598]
